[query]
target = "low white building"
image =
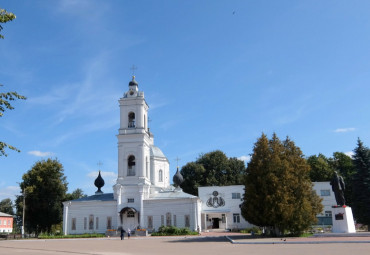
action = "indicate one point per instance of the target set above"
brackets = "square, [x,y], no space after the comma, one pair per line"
[221,207]
[323,189]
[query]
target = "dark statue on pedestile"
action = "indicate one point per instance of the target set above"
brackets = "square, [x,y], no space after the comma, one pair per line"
[337,185]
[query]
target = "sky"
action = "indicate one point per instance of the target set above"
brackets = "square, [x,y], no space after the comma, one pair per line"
[216,75]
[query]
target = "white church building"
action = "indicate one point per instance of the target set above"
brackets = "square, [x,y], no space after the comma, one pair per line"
[142,196]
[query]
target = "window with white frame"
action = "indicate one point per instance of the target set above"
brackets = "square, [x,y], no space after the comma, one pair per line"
[160,175]
[85,223]
[187,221]
[150,222]
[328,214]
[235,195]
[325,192]
[91,222]
[168,219]
[97,223]
[162,220]
[130,200]
[109,222]
[236,218]
[130,214]
[73,223]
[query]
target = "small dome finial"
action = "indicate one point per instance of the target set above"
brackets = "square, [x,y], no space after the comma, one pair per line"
[99,183]
[178,178]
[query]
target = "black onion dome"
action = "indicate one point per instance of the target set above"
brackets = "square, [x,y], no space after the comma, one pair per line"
[133,82]
[177,178]
[99,183]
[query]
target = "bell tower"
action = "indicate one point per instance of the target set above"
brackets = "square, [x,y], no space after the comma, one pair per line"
[134,139]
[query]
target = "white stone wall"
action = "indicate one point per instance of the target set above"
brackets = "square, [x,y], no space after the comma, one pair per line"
[328,201]
[83,209]
[179,207]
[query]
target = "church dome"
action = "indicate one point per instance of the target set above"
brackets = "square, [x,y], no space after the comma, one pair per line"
[156,152]
[133,82]
[178,178]
[99,183]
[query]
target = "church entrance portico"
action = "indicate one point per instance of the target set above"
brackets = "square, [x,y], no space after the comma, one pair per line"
[129,217]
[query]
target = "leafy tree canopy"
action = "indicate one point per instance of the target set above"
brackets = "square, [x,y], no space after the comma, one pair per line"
[76,194]
[5,17]
[212,169]
[6,97]
[278,190]
[6,206]
[321,170]
[45,188]
[361,184]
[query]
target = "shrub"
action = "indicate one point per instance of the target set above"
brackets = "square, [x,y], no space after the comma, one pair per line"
[173,231]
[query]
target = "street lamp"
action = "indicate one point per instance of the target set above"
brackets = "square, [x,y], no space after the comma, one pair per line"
[24,209]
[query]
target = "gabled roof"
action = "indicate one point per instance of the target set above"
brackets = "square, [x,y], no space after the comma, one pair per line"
[5,215]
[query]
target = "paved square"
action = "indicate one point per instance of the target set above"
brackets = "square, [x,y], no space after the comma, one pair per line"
[170,246]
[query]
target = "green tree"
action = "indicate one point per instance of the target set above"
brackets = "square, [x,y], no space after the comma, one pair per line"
[76,194]
[212,169]
[361,184]
[5,17]
[344,165]
[6,97]
[321,170]
[45,188]
[278,190]
[6,206]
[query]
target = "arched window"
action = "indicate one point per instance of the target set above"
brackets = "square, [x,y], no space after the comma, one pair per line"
[160,176]
[131,120]
[131,166]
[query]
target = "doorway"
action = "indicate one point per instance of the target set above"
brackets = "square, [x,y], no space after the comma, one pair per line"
[215,223]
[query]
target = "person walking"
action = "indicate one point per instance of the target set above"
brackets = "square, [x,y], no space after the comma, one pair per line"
[128,233]
[122,234]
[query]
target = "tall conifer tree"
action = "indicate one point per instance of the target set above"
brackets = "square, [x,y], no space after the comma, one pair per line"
[278,190]
[361,184]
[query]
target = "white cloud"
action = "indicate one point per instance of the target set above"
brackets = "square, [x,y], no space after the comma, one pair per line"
[9,192]
[40,153]
[343,130]
[350,153]
[245,158]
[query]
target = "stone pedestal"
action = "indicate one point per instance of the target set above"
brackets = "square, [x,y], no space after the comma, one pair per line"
[343,220]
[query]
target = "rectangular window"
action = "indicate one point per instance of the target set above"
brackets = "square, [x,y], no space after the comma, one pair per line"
[223,218]
[91,222]
[207,218]
[236,217]
[168,219]
[130,200]
[325,192]
[162,220]
[0,222]
[187,221]
[174,221]
[73,223]
[85,223]
[150,222]
[9,222]
[97,223]
[109,222]
[328,214]
[235,195]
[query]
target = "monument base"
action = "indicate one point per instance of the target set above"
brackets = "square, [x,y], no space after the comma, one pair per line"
[343,220]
